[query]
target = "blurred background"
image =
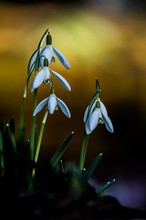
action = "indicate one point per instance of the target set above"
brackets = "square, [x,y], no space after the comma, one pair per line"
[103,39]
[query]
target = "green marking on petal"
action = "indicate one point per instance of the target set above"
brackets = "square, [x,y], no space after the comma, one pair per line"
[49,39]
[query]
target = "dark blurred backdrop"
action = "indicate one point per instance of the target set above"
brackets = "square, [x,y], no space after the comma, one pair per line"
[104,39]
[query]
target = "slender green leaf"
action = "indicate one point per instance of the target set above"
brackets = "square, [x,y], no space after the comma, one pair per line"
[84,150]
[9,140]
[12,125]
[93,166]
[105,186]
[60,151]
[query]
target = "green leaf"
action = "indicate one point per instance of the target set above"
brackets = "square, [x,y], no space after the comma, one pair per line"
[105,186]
[9,138]
[9,151]
[12,125]
[60,151]
[92,167]
[1,135]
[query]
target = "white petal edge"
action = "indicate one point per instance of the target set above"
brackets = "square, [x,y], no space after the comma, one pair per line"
[94,118]
[85,114]
[62,58]
[91,110]
[103,108]
[40,106]
[108,124]
[38,80]
[64,108]
[88,131]
[48,53]
[52,103]
[47,73]
[62,80]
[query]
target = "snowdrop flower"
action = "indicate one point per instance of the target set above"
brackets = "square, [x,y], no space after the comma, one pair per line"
[44,76]
[52,103]
[49,52]
[97,114]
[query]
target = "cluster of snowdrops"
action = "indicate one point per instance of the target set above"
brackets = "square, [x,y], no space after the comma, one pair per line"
[28,149]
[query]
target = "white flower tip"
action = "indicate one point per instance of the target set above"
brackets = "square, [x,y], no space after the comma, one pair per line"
[72,132]
[51,111]
[67,66]
[112,130]
[34,113]
[101,154]
[69,115]
[88,131]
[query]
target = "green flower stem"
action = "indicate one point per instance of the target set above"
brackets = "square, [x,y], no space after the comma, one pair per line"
[83,150]
[21,126]
[33,125]
[40,139]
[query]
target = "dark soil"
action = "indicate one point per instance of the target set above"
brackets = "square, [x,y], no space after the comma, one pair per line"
[71,206]
[60,197]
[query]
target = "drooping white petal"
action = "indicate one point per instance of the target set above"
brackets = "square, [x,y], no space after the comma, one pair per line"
[46,52]
[85,114]
[47,75]
[63,107]
[40,106]
[88,131]
[106,119]
[62,80]
[94,119]
[62,58]
[38,80]
[108,123]
[103,108]
[52,103]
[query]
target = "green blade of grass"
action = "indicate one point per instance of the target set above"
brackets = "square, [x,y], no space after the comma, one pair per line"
[12,125]
[9,139]
[9,153]
[92,167]
[60,151]
[105,186]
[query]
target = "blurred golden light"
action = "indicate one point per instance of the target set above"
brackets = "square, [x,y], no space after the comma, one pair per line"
[112,48]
